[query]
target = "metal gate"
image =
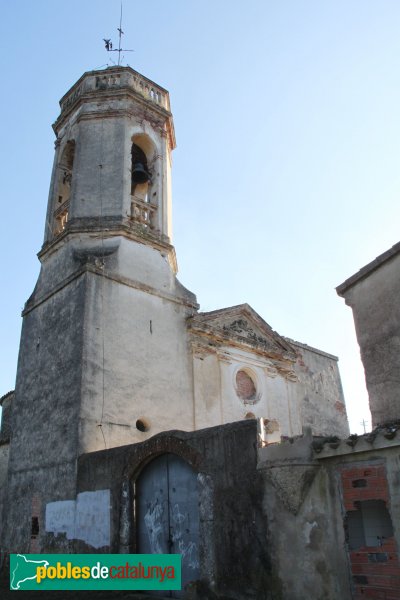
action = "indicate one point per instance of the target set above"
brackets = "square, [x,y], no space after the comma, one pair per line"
[167,509]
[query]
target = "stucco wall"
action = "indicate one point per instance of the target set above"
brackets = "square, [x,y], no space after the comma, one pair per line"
[306,503]
[234,558]
[310,395]
[136,365]
[374,298]
[319,392]
[4,451]
[97,116]
[45,410]
[44,417]
[216,395]
[305,530]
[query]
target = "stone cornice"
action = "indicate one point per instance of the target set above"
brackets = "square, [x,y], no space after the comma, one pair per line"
[117,83]
[107,96]
[90,268]
[112,227]
[109,71]
[241,326]
[208,338]
[311,349]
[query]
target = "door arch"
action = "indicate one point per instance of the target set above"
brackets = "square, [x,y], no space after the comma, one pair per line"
[167,513]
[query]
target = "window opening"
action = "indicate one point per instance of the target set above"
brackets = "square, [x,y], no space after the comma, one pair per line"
[34,527]
[61,219]
[369,525]
[64,182]
[143,210]
[140,171]
[359,483]
[245,387]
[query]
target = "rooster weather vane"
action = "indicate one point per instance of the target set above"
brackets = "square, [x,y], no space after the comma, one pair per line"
[108,42]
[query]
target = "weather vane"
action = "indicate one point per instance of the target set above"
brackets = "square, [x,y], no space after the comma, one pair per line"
[108,42]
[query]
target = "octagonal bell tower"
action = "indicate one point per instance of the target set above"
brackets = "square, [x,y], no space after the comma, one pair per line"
[104,355]
[115,136]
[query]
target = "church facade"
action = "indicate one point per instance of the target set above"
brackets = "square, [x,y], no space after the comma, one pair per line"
[122,381]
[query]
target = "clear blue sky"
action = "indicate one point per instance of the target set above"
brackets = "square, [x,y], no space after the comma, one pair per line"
[286,176]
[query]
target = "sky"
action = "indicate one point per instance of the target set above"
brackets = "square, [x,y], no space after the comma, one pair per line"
[286,173]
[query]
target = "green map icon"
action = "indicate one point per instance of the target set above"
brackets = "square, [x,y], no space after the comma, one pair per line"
[23,569]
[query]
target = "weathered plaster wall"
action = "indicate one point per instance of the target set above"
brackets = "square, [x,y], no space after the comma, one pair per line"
[319,392]
[305,529]
[134,361]
[5,428]
[373,294]
[87,518]
[216,395]
[101,113]
[310,395]
[5,433]
[4,451]
[233,554]
[103,343]
[88,338]
[44,413]
[306,503]
[135,364]
[49,483]
[44,418]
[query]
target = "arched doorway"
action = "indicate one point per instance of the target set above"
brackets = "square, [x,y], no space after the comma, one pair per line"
[167,513]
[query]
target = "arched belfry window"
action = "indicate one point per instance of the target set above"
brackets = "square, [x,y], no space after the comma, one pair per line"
[143,204]
[63,187]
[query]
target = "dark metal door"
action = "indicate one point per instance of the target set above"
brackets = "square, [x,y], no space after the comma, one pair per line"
[167,508]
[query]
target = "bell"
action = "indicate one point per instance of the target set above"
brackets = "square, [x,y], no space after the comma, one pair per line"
[139,173]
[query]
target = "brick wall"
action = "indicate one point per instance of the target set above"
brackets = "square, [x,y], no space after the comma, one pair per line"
[246,389]
[375,569]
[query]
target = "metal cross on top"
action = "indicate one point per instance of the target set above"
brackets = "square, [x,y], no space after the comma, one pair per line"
[108,42]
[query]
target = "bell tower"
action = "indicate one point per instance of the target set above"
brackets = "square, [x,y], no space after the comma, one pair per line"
[112,166]
[104,355]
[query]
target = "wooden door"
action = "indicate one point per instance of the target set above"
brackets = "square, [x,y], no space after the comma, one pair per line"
[167,513]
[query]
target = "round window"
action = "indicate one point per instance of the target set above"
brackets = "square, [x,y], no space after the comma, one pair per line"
[245,387]
[142,425]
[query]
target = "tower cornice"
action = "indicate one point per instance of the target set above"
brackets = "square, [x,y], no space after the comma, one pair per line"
[185,299]
[111,228]
[117,83]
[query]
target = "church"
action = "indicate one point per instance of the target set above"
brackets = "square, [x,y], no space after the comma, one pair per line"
[138,422]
